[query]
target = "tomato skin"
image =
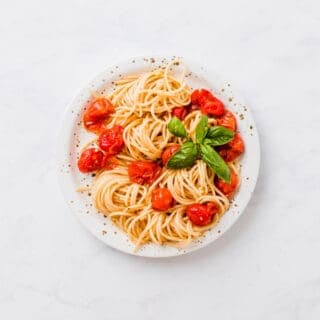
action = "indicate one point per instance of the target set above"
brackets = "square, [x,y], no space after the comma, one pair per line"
[201,214]
[91,159]
[228,120]
[111,141]
[225,188]
[110,162]
[207,102]
[232,149]
[161,199]
[97,112]
[200,96]
[212,107]
[143,172]
[179,112]
[169,152]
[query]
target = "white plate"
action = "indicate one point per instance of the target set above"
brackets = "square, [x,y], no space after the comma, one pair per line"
[73,137]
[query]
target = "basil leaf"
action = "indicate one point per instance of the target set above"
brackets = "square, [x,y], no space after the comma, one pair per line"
[185,157]
[201,129]
[177,128]
[217,136]
[215,162]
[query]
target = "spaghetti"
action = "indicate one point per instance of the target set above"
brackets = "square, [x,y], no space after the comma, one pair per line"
[143,105]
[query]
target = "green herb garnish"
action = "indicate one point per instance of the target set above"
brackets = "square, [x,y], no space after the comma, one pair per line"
[203,147]
[177,128]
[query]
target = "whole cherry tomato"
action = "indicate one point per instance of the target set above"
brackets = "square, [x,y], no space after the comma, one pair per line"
[161,199]
[201,214]
[226,188]
[110,162]
[228,120]
[143,172]
[111,141]
[98,110]
[212,107]
[91,159]
[207,102]
[179,112]
[200,96]
[232,149]
[169,152]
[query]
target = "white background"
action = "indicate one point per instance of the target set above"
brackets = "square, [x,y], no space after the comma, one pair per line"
[266,267]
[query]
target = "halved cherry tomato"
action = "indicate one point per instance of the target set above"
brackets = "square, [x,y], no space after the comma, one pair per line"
[232,149]
[228,120]
[169,152]
[143,172]
[212,107]
[161,199]
[207,102]
[91,159]
[97,112]
[228,189]
[201,214]
[111,141]
[179,112]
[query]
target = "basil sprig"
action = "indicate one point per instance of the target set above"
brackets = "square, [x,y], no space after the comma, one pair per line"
[185,157]
[202,128]
[212,158]
[206,139]
[217,136]
[177,128]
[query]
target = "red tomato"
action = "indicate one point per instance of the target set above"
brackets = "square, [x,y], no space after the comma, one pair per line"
[201,214]
[233,149]
[200,96]
[208,103]
[228,120]
[161,199]
[111,141]
[143,172]
[212,107]
[179,112]
[228,189]
[169,152]
[91,159]
[110,162]
[97,112]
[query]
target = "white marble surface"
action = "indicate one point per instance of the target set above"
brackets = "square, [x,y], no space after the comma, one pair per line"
[266,267]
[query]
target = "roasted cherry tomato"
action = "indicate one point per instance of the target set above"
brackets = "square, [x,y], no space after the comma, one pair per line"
[232,149]
[111,141]
[207,102]
[228,120]
[143,172]
[161,199]
[212,107]
[179,112]
[110,162]
[226,188]
[169,152]
[200,96]
[91,159]
[97,112]
[201,214]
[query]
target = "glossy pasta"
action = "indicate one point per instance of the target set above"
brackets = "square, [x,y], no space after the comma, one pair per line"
[143,105]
